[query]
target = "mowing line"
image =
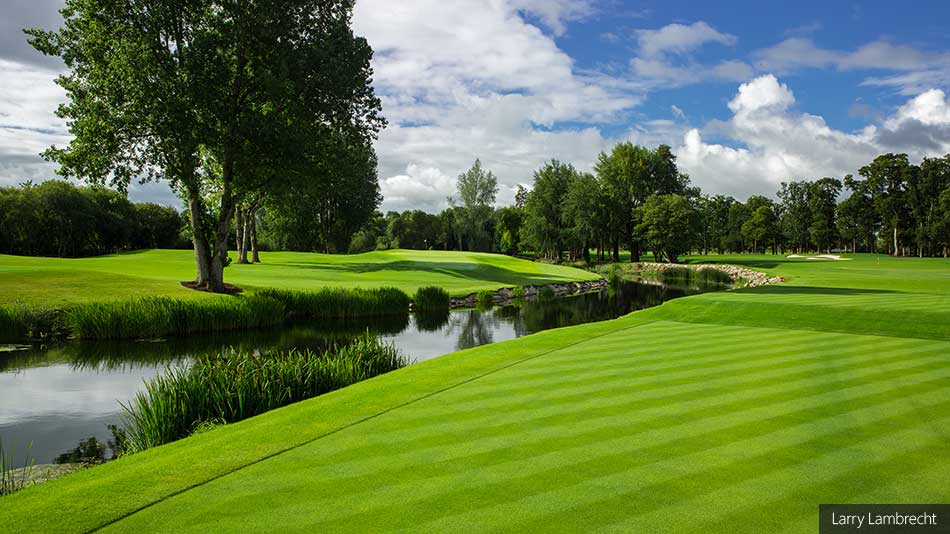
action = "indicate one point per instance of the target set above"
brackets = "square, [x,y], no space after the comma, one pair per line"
[361,421]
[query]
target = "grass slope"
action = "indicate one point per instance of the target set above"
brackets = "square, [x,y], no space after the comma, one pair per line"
[714,413]
[55,282]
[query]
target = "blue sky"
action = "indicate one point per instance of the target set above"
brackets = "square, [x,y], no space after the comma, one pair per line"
[748,94]
[602,40]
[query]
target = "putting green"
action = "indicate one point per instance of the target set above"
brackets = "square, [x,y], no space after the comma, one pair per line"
[55,282]
[692,416]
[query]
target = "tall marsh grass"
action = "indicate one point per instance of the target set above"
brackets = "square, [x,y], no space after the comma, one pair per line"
[431,299]
[234,386]
[339,303]
[151,317]
[19,321]
[11,478]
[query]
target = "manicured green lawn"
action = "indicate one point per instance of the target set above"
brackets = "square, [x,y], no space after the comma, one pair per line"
[725,412]
[54,282]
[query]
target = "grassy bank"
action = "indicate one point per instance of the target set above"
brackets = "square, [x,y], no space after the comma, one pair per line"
[156,317]
[89,297]
[235,386]
[56,283]
[696,415]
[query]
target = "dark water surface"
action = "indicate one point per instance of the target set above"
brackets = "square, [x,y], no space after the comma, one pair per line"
[53,397]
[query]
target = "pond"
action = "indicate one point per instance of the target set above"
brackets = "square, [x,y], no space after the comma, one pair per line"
[53,397]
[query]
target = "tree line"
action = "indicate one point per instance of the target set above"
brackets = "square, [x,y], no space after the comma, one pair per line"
[58,219]
[637,200]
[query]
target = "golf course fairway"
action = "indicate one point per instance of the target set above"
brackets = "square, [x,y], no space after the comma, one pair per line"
[736,411]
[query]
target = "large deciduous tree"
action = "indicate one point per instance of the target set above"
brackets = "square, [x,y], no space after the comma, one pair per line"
[887,177]
[665,221]
[822,205]
[544,226]
[222,98]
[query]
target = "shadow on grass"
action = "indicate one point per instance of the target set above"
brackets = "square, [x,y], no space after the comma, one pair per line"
[812,290]
[462,270]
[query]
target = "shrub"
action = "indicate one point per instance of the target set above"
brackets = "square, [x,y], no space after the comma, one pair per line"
[519,293]
[431,299]
[233,386]
[485,298]
[546,293]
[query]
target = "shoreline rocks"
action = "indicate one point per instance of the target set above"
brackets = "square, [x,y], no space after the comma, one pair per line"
[741,276]
[506,295]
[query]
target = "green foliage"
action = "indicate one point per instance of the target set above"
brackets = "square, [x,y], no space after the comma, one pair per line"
[477,189]
[235,386]
[431,299]
[339,303]
[508,224]
[224,100]
[485,299]
[155,317]
[887,178]
[822,204]
[665,224]
[544,227]
[21,321]
[88,452]
[546,293]
[325,211]
[56,218]
[761,226]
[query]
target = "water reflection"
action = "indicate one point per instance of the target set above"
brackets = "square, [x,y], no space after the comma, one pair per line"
[56,396]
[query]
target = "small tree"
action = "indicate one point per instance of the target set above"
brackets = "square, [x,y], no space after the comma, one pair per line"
[477,189]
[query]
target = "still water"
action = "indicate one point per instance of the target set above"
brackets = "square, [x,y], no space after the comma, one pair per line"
[53,397]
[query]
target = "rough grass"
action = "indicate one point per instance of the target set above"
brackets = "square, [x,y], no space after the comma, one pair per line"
[696,415]
[234,386]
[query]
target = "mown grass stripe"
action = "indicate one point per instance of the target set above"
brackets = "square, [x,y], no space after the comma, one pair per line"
[510,457]
[573,434]
[628,494]
[403,496]
[862,464]
[581,397]
[690,405]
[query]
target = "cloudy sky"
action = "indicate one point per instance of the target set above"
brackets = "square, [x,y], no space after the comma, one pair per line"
[748,94]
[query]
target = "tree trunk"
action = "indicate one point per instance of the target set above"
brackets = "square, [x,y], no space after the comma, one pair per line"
[220,256]
[616,250]
[198,236]
[896,248]
[245,236]
[240,233]
[255,254]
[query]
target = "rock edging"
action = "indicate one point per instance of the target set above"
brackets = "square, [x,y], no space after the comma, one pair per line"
[506,295]
[740,275]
